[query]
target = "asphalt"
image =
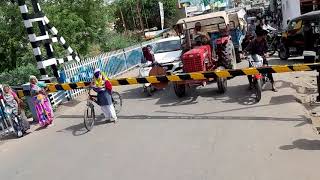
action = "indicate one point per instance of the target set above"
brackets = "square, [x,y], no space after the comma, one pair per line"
[205,135]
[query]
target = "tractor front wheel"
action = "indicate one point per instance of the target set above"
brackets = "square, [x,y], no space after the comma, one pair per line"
[179,89]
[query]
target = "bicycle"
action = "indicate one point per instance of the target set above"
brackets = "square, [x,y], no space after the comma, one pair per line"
[89,114]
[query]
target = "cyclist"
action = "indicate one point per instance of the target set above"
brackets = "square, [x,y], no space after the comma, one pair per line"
[103,87]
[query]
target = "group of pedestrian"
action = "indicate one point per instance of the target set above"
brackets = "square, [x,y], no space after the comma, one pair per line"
[39,99]
[41,103]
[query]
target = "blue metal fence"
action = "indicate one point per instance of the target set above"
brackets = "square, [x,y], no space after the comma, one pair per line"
[113,64]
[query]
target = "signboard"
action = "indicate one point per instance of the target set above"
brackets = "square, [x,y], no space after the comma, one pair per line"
[161,14]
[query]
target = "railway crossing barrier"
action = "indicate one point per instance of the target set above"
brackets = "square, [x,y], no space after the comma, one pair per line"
[228,73]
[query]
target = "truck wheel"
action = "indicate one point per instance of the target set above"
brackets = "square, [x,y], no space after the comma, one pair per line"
[179,89]
[222,85]
[238,58]
[283,53]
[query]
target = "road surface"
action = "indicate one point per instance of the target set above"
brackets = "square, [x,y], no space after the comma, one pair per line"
[203,136]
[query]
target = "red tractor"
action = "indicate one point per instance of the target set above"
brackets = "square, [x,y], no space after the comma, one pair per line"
[211,49]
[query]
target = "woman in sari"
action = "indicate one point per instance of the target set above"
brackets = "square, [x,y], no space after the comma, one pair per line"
[41,102]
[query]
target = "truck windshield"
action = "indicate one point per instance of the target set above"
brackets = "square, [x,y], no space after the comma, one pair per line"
[167,46]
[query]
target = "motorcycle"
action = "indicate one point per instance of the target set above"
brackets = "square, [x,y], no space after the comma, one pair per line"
[258,80]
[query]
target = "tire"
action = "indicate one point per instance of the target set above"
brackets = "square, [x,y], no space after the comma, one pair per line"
[117,101]
[17,127]
[179,90]
[89,118]
[222,85]
[19,134]
[283,53]
[258,89]
[25,125]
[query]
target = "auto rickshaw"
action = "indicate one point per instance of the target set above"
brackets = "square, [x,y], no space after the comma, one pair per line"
[302,34]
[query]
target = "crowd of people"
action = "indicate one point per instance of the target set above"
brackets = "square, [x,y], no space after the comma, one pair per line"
[41,102]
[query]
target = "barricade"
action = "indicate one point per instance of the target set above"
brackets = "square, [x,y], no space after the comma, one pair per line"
[54,87]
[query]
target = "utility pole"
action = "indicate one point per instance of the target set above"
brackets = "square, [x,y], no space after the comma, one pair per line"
[139,15]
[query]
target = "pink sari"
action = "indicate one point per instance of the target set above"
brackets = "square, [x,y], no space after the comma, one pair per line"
[42,106]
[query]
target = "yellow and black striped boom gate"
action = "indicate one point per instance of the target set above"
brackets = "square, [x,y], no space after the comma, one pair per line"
[53,87]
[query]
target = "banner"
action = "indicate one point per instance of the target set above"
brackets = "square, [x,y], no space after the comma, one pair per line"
[161,14]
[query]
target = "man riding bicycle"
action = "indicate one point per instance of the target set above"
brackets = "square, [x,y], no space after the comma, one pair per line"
[259,46]
[103,87]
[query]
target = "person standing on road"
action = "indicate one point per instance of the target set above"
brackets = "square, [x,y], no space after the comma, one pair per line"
[41,102]
[259,46]
[103,87]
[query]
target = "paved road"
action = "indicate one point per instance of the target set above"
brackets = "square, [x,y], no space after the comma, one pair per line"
[203,136]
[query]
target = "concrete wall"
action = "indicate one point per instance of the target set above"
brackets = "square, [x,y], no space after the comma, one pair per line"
[290,10]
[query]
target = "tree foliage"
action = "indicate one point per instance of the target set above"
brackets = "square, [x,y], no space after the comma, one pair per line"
[150,14]
[85,24]
[14,46]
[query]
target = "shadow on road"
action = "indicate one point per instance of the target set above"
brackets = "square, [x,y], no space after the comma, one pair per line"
[245,118]
[79,129]
[303,144]
[274,101]
[235,94]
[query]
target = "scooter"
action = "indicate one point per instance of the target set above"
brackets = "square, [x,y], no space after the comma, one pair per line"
[258,80]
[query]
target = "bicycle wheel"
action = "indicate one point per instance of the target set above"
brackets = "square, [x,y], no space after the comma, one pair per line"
[117,101]
[89,118]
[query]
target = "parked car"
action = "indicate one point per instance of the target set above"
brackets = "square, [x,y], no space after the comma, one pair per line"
[166,54]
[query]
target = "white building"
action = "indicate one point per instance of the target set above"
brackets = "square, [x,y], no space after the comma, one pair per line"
[290,9]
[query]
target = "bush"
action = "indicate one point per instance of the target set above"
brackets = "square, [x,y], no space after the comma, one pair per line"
[19,76]
[114,41]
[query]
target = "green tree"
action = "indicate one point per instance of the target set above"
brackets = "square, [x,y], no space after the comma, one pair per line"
[14,45]
[150,14]
[85,24]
